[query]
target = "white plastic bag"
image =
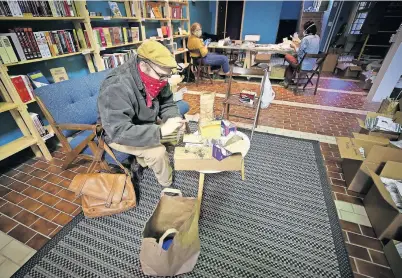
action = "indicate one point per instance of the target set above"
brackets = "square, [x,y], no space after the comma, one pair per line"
[268,94]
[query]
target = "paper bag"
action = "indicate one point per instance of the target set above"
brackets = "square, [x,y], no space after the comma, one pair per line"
[175,218]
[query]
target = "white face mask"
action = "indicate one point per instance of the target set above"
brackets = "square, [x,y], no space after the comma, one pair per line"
[198,33]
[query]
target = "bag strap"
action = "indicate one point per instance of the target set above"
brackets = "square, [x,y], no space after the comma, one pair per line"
[171,190]
[165,234]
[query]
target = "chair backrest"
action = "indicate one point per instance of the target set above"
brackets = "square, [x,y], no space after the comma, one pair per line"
[320,57]
[252,38]
[73,101]
[242,71]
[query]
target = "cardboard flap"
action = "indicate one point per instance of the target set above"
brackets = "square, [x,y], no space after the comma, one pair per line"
[381,188]
[348,149]
[392,170]
[369,138]
[361,123]
[380,154]
[398,117]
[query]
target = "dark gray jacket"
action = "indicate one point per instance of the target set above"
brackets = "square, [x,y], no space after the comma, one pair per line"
[123,112]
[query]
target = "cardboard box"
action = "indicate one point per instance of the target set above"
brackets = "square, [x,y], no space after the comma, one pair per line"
[384,215]
[375,161]
[348,70]
[189,160]
[210,130]
[393,257]
[386,134]
[330,63]
[262,58]
[227,127]
[277,72]
[351,156]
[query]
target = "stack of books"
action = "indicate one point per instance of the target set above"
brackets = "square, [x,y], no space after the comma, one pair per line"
[111,36]
[175,12]
[23,87]
[156,10]
[22,44]
[44,133]
[116,59]
[51,8]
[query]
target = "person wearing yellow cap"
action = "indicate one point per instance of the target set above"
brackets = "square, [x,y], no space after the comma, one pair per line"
[131,98]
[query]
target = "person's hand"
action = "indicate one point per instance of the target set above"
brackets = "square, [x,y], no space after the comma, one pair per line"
[171,125]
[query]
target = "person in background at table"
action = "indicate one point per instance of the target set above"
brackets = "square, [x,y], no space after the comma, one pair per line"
[198,49]
[310,44]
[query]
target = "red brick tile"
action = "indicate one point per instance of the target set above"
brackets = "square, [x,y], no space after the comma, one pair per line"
[6,224]
[373,270]
[77,211]
[22,177]
[14,197]
[49,199]
[62,219]
[54,169]
[51,188]
[18,186]
[25,168]
[47,212]
[26,218]
[353,264]
[2,202]
[349,199]
[11,172]
[4,180]
[37,242]
[368,231]
[349,226]
[66,207]
[339,189]
[44,227]
[364,241]
[10,209]
[58,155]
[41,165]
[4,191]
[58,229]
[39,173]
[357,252]
[378,258]
[65,183]
[53,179]
[36,182]
[56,162]
[22,233]
[68,174]
[33,192]
[30,204]
[67,195]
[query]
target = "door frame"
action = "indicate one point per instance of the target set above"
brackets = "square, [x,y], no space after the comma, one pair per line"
[226,14]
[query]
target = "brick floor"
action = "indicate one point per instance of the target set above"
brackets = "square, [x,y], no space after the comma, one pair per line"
[35,202]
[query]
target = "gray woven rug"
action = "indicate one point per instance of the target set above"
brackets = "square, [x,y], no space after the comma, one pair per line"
[280,222]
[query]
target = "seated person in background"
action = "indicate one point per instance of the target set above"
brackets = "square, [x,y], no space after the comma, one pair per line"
[198,49]
[131,99]
[310,44]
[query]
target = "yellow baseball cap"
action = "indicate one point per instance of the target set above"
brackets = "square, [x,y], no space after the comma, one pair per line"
[157,53]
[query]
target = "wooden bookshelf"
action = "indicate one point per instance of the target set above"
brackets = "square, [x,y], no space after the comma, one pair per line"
[180,36]
[31,101]
[121,45]
[115,18]
[180,51]
[7,106]
[37,18]
[43,59]
[180,19]
[156,19]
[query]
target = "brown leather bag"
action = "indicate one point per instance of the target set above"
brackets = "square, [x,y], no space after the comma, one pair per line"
[104,193]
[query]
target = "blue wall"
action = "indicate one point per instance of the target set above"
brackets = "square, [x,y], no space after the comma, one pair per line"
[290,10]
[262,18]
[200,12]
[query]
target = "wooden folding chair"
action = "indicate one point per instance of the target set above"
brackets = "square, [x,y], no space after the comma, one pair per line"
[235,99]
[199,69]
[72,153]
[308,75]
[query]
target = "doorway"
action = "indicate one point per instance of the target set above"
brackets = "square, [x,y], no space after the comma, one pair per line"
[229,19]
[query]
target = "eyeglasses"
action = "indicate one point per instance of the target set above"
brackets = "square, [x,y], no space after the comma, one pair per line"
[161,76]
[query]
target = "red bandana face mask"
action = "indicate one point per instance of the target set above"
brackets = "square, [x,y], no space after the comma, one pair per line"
[152,86]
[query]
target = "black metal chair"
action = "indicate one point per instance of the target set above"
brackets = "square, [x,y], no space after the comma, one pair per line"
[199,69]
[308,75]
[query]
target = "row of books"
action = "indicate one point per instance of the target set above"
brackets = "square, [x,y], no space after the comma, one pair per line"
[40,127]
[156,10]
[111,36]
[164,32]
[21,44]
[116,59]
[54,8]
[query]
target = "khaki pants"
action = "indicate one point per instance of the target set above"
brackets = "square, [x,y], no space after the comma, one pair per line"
[155,158]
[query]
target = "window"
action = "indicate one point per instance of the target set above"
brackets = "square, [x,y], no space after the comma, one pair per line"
[360,17]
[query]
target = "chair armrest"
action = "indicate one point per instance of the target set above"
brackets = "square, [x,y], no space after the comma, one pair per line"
[76,126]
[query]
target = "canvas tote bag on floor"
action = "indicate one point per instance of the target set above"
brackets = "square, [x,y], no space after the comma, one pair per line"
[171,244]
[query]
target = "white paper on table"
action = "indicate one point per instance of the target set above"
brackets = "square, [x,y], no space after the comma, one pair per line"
[397,143]
[238,147]
[386,124]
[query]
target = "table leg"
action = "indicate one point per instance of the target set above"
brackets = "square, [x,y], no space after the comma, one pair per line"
[201,187]
[243,175]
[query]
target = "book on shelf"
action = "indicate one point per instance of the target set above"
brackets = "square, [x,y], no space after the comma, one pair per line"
[135,34]
[175,12]
[133,9]
[114,8]
[125,35]
[7,52]
[30,8]
[116,59]
[40,127]
[23,87]
[159,31]
[38,79]
[59,74]
[154,10]
[16,45]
